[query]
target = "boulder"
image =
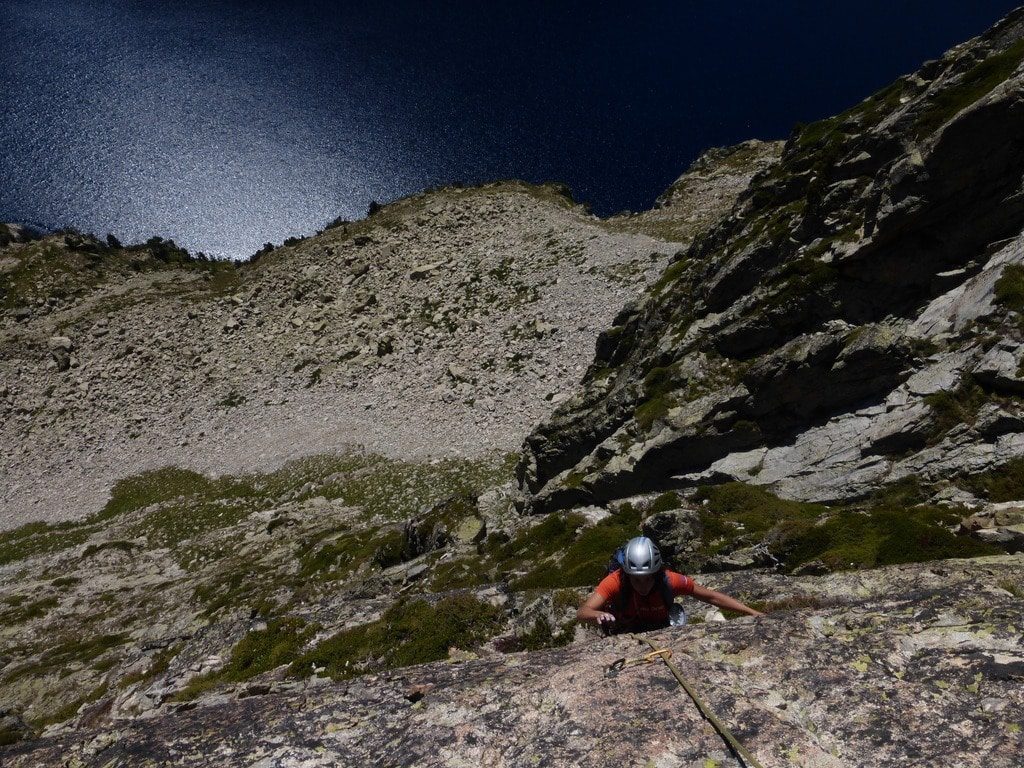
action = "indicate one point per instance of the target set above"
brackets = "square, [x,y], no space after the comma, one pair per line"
[677,532]
[471,530]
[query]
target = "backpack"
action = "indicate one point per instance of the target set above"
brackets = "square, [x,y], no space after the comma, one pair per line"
[617,562]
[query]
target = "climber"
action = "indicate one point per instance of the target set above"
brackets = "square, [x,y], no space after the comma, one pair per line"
[638,593]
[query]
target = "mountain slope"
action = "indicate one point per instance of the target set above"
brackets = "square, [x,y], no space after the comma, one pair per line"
[444,324]
[818,341]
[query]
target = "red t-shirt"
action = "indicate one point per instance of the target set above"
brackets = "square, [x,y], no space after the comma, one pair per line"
[641,609]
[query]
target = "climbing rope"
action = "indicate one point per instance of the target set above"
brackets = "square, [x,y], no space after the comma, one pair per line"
[666,655]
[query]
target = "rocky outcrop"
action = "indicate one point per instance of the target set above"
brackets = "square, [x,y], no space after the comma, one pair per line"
[807,342]
[917,665]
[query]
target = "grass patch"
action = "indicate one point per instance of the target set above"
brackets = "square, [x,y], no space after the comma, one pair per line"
[665,503]
[951,409]
[538,637]
[408,633]
[1004,483]
[343,554]
[160,663]
[238,586]
[738,509]
[1009,288]
[120,546]
[499,555]
[1012,587]
[37,539]
[584,561]
[19,612]
[258,652]
[79,650]
[887,532]
[853,539]
[151,488]
[659,386]
[70,709]
[882,537]
[972,86]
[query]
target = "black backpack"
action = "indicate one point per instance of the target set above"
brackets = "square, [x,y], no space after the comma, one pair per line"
[616,564]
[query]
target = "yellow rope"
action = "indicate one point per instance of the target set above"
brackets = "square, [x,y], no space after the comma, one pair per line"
[705,710]
[647,658]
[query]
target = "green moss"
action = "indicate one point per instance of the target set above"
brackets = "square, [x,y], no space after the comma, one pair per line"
[408,633]
[258,652]
[972,86]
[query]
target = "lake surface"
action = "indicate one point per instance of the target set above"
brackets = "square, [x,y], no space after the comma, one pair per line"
[226,124]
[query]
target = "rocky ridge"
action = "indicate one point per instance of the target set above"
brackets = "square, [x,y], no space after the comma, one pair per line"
[819,338]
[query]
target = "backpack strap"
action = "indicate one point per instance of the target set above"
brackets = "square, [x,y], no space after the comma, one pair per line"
[666,590]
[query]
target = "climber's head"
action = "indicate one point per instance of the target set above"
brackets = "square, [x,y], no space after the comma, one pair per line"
[641,562]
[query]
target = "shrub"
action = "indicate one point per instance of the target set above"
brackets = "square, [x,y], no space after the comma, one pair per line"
[408,633]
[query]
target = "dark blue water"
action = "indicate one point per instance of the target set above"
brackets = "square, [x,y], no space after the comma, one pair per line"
[224,124]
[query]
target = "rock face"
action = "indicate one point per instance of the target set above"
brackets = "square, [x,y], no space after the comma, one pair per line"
[914,666]
[818,339]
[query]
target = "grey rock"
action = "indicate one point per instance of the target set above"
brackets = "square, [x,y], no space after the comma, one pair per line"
[676,531]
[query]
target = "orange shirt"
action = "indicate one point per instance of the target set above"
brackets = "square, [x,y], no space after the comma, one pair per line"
[642,609]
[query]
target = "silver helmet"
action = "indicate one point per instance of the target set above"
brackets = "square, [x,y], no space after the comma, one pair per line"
[641,557]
